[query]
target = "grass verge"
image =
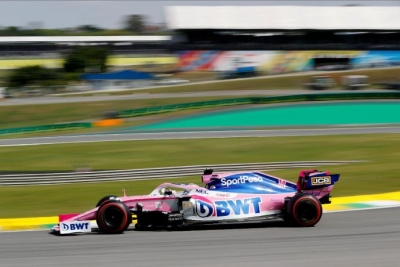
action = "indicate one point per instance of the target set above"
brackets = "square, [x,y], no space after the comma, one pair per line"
[378,175]
[284,81]
[31,115]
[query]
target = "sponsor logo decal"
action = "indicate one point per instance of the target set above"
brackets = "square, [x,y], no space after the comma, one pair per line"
[75,227]
[157,204]
[223,194]
[187,208]
[187,205]
[204,209]
[282,183]
[202,191]
[241,180]
[224,208]
[320,180]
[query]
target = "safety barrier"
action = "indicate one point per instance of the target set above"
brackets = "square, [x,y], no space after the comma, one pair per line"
[153,173]
[184,106]
[327,97]
[46,128]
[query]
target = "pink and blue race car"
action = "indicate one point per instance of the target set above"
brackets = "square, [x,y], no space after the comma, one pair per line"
[225,198]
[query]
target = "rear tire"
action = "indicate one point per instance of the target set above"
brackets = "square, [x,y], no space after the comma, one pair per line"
[113,217]
[304,210]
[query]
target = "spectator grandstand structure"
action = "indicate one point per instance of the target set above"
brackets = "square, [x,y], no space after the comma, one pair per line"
[277,39]
[248,39]
[243,28]
[285,27]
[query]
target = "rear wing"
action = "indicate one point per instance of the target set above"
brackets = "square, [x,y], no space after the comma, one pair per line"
[314,179]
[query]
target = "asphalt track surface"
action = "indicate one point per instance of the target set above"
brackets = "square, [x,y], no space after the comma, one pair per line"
[358,238]
[138,95]
[196,134]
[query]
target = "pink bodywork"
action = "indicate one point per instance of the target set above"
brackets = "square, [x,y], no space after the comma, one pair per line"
[269,204]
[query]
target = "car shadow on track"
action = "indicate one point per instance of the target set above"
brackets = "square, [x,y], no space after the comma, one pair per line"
[219,226]
[202,227]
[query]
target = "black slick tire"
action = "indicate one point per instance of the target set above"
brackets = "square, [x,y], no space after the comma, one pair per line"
[106,198]
[113,217]
[304,210]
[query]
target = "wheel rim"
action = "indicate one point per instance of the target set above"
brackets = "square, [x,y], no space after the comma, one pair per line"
[113,217]
[306,211]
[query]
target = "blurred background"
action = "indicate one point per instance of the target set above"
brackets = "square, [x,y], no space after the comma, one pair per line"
[79,68]
[166,42]
[96,94]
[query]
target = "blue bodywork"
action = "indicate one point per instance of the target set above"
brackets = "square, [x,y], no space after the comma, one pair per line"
[261,183]
[251,183]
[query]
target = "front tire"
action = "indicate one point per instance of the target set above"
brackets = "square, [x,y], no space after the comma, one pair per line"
[304,210]
[113,217]
[106,198]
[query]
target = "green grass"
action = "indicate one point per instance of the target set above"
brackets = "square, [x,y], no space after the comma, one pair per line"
[129,122]
[380,174]
[279,82]
[31,115]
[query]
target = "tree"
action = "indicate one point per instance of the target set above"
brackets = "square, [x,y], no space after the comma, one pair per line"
[33,75]
[86,59]
[135,23]
[89,28]
[11,31]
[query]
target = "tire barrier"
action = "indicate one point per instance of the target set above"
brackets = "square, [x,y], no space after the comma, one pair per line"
[147,174]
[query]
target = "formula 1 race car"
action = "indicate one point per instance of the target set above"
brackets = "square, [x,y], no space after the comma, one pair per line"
[226,198]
